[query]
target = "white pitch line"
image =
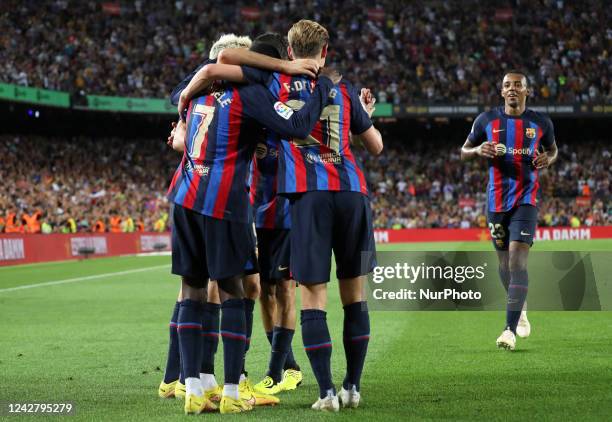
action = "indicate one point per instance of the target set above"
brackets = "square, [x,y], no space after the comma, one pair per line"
[76,279]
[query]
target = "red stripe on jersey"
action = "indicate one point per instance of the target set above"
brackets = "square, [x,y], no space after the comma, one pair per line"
[300,169]
[534,193]
[283,92]
[518,159]
[497,176]
[345,144]
[229,167]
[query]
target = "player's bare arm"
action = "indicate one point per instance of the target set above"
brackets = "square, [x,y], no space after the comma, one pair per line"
[371,139]
[469,151]
[545,159]
[242,57]
[205,77]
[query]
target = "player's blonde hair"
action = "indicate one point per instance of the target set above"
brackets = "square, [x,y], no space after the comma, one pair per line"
[228,41]
[307,38]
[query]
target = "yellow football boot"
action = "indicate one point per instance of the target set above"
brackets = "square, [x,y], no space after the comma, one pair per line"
[166,391]
[267,386]
[230,405]
[180,390]
[292,378]
[254,398]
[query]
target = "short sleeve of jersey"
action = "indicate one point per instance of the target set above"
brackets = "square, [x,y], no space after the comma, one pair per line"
[548,135]
[478,134]
[255,76]
[360,121]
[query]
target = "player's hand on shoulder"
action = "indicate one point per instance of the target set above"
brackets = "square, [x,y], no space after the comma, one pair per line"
[308,67]
[541,160]
[331,73]
[486,149]
[367,101]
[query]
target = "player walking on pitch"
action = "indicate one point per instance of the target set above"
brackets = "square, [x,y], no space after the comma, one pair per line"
[510,138]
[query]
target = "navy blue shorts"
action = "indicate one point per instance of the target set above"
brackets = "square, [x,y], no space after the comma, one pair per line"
[209,248]
[322,222]
[517,224]
[274,252]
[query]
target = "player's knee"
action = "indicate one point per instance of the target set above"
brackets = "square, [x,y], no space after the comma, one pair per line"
[231,288]
[267,293]
[252,288]
[192,288]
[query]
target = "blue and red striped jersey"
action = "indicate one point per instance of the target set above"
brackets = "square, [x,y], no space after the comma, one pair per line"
[222,130]
[271,210]
[324,159]
[513,179]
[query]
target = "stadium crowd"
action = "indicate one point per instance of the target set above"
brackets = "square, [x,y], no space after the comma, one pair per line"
[410,52]
[113,185]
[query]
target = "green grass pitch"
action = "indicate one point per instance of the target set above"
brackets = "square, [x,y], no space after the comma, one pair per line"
[101,343]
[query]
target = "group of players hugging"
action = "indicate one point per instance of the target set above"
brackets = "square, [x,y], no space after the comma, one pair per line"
[269,186]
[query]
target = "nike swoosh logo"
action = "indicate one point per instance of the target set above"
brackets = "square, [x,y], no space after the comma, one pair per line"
[524,234]
[282,268]
[498,130]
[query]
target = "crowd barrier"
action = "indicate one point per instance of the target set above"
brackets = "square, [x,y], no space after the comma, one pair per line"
[22,249]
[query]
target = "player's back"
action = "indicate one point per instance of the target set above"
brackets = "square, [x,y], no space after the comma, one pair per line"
[212,176]
[324,160]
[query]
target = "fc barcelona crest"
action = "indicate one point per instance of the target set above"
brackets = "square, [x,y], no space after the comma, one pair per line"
[530,132]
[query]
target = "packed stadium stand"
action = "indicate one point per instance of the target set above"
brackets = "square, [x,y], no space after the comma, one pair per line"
[85,184]
[408,52]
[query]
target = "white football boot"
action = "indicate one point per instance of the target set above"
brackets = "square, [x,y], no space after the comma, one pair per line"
[349,398]
[328,403]
[507,340]
[523,329]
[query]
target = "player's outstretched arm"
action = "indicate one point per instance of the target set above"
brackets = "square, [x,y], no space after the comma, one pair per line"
[243,57]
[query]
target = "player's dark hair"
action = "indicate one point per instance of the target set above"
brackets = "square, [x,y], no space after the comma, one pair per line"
[271,44]
[518,72]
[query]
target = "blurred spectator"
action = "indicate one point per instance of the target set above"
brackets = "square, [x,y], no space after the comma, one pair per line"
[407,52]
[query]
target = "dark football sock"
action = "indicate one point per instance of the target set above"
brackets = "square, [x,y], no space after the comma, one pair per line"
[269,335]
[281,344]
[190,337]
[504,276]
[318,346]
[290,362]
[233,332]
[210,336]
[356,336]
[517,293]
[249,306]
[173,363]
